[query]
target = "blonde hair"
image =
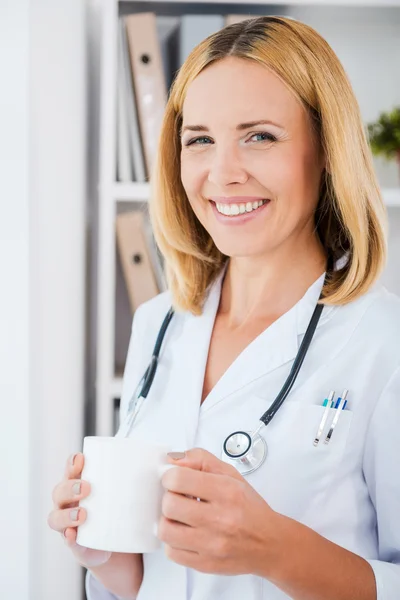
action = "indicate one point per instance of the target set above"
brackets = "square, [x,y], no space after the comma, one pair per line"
[350,217]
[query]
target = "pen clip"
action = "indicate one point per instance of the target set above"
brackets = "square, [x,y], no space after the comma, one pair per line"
[338,412]
[324,418]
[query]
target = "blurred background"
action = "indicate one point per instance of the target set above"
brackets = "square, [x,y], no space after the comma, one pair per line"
[84,84]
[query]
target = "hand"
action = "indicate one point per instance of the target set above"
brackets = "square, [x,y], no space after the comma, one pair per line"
[66,515]
[230,531]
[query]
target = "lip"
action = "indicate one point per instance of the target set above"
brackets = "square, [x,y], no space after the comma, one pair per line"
[239,219]
[236,199]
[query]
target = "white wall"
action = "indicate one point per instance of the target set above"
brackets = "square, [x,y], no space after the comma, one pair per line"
[58,144]
[14,302]
[42,254]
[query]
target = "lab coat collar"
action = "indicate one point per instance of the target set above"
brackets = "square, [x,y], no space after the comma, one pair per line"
[274,347]
[305,307]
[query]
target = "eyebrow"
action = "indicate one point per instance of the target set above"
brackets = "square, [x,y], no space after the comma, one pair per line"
[240,127]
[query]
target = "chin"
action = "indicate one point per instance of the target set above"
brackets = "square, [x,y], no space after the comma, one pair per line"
[239,249]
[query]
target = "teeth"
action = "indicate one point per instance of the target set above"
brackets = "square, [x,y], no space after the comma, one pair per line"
[239,209]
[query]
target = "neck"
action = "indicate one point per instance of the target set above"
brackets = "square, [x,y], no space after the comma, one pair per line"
[264,288]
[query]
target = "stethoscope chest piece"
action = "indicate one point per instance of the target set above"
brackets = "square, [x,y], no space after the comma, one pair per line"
[245,451]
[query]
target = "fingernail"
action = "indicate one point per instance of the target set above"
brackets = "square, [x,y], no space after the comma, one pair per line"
[74,514]
[76,488]
[72,459]
[176,455]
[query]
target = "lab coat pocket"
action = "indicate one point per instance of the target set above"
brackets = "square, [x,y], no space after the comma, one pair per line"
[307,425]
[299,472]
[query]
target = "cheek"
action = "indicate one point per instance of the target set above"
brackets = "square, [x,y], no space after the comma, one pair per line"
[285,170]
[192,180]
[304,170]
[190,176]
[294,179]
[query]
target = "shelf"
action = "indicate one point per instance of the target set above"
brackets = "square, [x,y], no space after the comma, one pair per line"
[116,387]
[139,192]
[290,3]
[391,196]
[131,192]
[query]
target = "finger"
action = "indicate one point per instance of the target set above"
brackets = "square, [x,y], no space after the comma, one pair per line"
[177,535]
[69,534]
[193,560]
[202,460]
[69,492]
[185,510]
[69,517]
[87,556]
[74,466]
[188,482]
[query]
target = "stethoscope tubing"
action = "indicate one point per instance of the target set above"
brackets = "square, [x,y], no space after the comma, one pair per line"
[150,373]
[294,371]
[148,377]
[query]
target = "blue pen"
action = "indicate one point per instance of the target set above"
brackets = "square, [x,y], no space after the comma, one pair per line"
[336,417]
[338,402]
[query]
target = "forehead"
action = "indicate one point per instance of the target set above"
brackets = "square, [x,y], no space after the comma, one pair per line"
[236,89]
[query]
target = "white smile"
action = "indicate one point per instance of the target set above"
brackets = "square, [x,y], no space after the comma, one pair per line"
[232,210]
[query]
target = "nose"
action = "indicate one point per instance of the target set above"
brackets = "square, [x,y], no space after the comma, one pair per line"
[226,167]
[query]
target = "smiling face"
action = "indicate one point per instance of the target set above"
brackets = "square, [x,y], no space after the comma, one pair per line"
[231,163]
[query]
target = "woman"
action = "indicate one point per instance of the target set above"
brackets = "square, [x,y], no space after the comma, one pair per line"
[264,199]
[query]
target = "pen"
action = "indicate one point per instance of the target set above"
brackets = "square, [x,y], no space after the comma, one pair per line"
[337,415]
[338,402]
[327,403]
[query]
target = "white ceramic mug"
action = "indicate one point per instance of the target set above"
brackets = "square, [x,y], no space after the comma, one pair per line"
[124,505]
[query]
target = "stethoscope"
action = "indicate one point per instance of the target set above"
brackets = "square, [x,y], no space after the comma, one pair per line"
[244,450]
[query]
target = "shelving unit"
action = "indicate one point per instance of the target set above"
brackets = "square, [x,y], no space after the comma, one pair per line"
[139,192]
[131,192]
[391,196]
[361,3]
[112,193]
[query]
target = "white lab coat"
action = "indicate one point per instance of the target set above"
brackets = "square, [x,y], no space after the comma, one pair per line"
[348,491]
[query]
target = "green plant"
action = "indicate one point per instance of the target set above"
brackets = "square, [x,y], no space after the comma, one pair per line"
[384,134]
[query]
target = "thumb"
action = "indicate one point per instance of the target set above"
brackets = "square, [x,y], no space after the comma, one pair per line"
[202,460]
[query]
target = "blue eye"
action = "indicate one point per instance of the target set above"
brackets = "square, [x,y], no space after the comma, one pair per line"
[267,137]
[195,140]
